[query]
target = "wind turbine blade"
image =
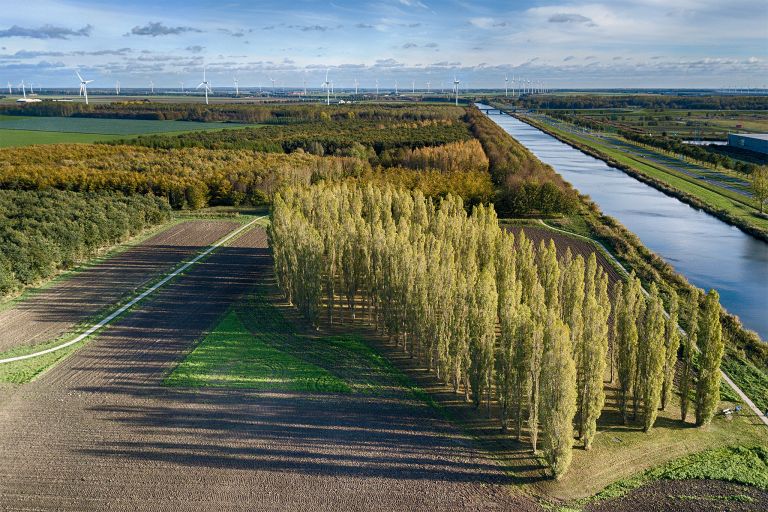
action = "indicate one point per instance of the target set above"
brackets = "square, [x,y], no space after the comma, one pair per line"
[199,86]
[78,75]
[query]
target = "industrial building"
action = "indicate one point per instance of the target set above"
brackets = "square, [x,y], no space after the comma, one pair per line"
[757,142]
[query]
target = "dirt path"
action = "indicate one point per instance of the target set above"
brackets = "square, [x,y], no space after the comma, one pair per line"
[56,310]
[99,431]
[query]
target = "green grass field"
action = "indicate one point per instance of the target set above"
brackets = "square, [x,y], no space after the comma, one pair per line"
[12,138]
[24,131]
[255,346]
[739,464]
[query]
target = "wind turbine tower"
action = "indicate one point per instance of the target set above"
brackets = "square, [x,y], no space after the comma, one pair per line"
[10,88]
[237,88]
[327,86]
[206,86]
[151,87]
[83,86]
[117,87]
[506,86]
[413,86]
[23,89]
[428,85]
[356,84]
[456,83]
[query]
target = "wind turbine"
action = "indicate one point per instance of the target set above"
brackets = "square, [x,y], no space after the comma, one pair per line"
[83,86]
[395,87]
[305,86]
[356,84]
[237,89]
[273,85]
[10,88]
[23,89]
[327,86]
[117,87]
[182,87]
[428,84]
[506,86]
[377,87]
[205,85]
[456,83]
[413,86]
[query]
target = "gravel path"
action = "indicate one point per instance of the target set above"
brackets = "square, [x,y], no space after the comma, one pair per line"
[99,432]
[56,310]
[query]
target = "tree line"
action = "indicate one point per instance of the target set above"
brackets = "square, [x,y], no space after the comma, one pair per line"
[42,232]
[649,101]
[239,113]
[348,135]
[501,321]
[525,184]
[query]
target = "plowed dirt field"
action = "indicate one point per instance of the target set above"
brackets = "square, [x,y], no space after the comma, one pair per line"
[55,310]
[100,432]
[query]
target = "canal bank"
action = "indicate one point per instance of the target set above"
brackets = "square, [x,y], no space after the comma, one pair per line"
[704,249]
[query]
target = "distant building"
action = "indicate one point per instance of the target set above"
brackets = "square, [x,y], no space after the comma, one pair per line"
[757,142]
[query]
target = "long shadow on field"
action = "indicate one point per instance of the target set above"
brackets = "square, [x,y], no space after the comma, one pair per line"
[323,435]
[341,435]
[85,293]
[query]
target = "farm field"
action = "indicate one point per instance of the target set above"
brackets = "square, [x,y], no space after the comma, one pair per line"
[131,442]
[687,124]
[23,131]
[56,311]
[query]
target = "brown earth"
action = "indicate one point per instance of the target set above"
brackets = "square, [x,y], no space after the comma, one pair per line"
[53,311]
[687,496]
[563,242]
[99,432]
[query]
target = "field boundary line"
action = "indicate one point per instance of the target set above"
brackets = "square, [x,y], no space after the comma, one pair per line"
[108,319]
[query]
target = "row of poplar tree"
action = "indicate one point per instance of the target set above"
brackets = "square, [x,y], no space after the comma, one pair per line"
[488,312]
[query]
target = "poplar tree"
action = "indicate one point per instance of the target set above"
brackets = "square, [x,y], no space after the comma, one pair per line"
[558,401]
[594,359]
[534,362]
[712,347]
[482,333]
[651,358]
[672,346]
[689,348]
[627,295]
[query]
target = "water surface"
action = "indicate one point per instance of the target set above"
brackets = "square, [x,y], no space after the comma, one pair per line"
[706,250]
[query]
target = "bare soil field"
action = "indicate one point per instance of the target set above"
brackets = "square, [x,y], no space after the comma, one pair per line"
[100,432]
[55,310]
[687,496]
[563,242]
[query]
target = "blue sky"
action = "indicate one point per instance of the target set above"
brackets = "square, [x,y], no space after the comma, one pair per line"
[620,43]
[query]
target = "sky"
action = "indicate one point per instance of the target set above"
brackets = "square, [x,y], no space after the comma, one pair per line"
[564,44]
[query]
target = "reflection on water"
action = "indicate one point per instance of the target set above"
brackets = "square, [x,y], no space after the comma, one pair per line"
[709,252]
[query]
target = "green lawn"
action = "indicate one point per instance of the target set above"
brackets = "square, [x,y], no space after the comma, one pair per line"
[255,346]
[24,131]
[11,138]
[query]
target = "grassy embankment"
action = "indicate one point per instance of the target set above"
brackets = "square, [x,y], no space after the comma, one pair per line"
[725,204]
